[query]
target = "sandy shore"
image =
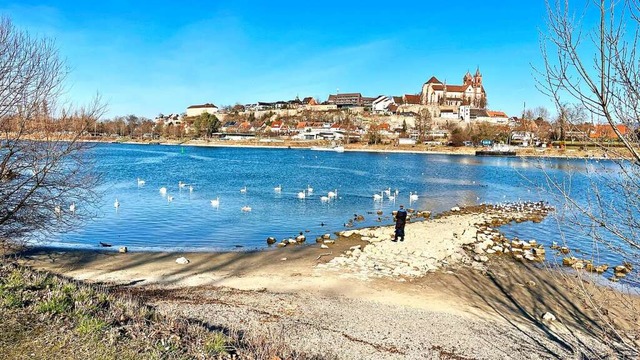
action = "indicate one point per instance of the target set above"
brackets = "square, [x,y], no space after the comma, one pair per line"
[443,293]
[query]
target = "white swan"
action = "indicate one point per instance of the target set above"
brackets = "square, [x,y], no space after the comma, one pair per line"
[246,208]
[333,194]
[387,191]
[181,184]
[377,197]
[163,191]
[116,204]
[309,189]
[278,188]
[392,197]
[302,195]
[140,182]
[324,198]
[215,202]
[243,190]
[190,188]
[58,210]
[412,196]
[169,198]
[72,208]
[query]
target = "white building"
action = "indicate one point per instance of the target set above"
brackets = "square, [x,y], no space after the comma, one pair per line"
[381,104]
[197,110]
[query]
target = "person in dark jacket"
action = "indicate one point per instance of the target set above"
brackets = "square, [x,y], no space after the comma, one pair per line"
[401,221]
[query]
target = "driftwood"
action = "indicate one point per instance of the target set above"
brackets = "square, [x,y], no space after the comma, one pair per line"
[325,254]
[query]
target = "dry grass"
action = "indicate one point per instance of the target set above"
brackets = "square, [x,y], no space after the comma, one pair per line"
[45,316]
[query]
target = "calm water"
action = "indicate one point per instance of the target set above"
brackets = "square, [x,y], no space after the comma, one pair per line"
[145,219]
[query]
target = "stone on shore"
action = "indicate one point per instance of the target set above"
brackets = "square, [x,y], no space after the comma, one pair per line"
[123,249]
[182,260]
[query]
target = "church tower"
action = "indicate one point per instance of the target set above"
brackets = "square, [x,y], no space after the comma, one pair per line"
[477,81]
[467,79]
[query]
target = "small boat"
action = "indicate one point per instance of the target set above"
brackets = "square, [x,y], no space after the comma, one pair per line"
[328,148]
[496,150]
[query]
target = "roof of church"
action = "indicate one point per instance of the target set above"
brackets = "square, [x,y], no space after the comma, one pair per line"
[433,80]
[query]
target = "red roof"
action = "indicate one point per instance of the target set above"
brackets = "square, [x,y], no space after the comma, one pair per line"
[276,124]
[497,114]
[301,125]
[433,80]
[606,131]
[412,99]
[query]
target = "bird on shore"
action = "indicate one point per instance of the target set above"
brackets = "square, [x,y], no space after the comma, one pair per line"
[215,202]
[116,204]
[243,190]
[246,208]
[141,182]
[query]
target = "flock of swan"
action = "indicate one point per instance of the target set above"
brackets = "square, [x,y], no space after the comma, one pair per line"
[331,195]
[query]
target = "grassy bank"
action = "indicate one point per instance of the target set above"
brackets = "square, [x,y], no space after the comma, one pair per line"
[45,316]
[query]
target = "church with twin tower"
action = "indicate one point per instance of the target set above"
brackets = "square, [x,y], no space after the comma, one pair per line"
[470,93]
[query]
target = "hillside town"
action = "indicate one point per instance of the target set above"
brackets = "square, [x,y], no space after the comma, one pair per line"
[440,114]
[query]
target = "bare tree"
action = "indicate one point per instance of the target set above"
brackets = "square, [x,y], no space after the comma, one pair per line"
[424,122]
[594,64]
[46,183]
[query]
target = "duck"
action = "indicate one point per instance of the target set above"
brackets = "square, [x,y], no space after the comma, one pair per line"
[246,208]
[215,202]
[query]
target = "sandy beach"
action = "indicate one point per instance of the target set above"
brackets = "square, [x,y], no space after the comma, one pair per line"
[444,293]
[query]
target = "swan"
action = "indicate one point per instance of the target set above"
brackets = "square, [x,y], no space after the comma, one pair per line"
[190,188]
[215,202]
[141,182]
[392,197]
[387,191]
[163,191]
[72,208]
[169,198]
[412,196]
[181,184]
[332,194]
[278,188]
[243,190]
[377,197]
[58,210]
[116,204]
[324,198]
[309,189]
[302,195]
[246,208]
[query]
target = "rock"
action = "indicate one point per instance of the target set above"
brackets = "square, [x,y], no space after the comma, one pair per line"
[569,261]
[379,212]
[579,265]
[531,283]
[358,247]
[347,233]
[300,239]
[326,236]
[425,214]
[481,258]
[516,244]
[182,260]
[291,241]
[123,249]
[548,317]
[539,251]
[359,218]
[491,251]
[271,240]
[323,246]
[621,269]
[329,242]
[455,209]
[478,249]
[282,244]
[564,250]
[602,268]
[283,259]
[319,239]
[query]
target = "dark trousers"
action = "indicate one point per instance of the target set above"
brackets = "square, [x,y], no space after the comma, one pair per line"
[399,233]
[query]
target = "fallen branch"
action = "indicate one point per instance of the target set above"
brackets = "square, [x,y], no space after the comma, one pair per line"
[325,254]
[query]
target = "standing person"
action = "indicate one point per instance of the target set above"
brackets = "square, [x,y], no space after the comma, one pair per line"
[401,221]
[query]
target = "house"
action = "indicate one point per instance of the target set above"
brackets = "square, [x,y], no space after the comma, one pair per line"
[309,101]
[471,92]
[381,104]
[345,100]
[411,99]
[606,132]
[197,110]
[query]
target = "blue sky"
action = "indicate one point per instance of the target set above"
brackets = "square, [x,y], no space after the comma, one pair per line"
[148,57]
